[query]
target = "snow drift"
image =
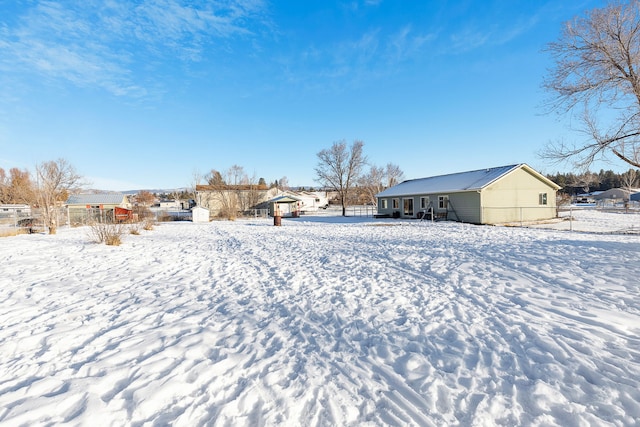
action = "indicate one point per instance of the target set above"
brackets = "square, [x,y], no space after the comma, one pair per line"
[321,322]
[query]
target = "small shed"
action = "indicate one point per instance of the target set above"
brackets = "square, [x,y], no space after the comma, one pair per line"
[285,205]
[199,214]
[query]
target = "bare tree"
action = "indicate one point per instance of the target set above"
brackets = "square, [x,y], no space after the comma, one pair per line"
[17,187]
[56,180]
[372,183]
[252,195]
[629,179]
[283,183]
[393,174]
[379,178]
[585,181]
[597,79]
[196,177]
[339,168]
[143,200]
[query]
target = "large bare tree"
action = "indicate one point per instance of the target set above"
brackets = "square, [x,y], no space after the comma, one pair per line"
[379,178]
[596,79]
[55,181]
[339,168]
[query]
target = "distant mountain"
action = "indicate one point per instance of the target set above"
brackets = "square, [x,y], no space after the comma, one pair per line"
[157,191]
[131,192]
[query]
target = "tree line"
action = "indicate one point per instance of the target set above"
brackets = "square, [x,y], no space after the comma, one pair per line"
[586,182]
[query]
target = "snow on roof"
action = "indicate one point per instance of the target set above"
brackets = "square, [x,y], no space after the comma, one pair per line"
[462,181]
[285,198]
[96,199]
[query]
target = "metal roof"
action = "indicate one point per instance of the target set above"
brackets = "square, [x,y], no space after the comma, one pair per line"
[285,198]
[96,199]
[452,183]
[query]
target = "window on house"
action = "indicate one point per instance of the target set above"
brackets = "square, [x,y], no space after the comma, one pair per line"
[443,202]
[424,202]
[408,206]
[395,203]
[383,204]
[542,198]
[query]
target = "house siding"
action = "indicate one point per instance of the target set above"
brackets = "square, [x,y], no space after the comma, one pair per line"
[465,207]
[515,198]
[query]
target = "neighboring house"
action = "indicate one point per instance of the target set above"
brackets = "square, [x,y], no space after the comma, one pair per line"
[82,208]
[168,204]
[614,195]
[311,201]
[242,197]
[635,197]
[14,213]
[487,196]
[12,209]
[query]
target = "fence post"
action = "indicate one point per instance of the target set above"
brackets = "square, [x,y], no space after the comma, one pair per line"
[570,218]
[520,216]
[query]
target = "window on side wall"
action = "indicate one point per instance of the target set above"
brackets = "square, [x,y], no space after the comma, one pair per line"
[443,202]
[383,204]
[542,198]
[424,202]
[395,203]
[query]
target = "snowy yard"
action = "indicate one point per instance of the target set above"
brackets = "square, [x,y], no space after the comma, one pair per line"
[323,322]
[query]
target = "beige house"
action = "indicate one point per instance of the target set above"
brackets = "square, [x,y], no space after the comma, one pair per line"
[515,193]
[237,198]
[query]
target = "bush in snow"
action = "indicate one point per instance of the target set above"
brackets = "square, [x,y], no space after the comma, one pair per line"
[107,232]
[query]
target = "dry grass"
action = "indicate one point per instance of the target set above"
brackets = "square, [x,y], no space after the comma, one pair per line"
[134,229]
[9,232]
[108,233]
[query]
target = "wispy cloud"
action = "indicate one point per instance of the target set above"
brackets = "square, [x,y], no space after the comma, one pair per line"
[346,63]
[406,43]
[477,35]
[100,43]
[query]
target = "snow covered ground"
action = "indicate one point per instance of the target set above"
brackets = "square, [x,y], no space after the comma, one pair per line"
[323,322]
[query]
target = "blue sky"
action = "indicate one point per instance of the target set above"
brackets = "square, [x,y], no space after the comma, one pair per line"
[148,94]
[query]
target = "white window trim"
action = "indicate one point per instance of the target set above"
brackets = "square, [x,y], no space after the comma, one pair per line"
[441,199]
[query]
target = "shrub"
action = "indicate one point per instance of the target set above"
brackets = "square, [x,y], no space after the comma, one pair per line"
[148,224]
[106,232]
[134,229]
